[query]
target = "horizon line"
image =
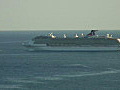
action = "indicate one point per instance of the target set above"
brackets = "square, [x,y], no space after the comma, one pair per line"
[55,30]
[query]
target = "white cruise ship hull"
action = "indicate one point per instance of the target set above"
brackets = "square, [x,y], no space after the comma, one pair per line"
[88,43]
[56,48]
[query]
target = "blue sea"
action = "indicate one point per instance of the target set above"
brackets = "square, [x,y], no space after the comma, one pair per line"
[24,70]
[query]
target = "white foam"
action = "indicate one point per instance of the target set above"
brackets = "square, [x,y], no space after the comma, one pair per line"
[10,86]
[20,80]
[77,65]
[92,74]
[49,78]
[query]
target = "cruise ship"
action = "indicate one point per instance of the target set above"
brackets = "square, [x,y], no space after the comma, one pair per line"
[89,42]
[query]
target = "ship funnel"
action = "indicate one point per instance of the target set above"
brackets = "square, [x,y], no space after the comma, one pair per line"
[92,33]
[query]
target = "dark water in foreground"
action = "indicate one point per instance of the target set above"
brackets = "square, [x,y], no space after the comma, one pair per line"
[22,70]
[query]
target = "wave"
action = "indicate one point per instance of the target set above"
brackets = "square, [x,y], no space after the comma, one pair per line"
[75,65]
[21,80]
[10,86]
[49,78]
[12,42]
[91,74]
[18,54]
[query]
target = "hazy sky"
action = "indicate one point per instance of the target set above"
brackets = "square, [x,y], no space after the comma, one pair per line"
[59,14]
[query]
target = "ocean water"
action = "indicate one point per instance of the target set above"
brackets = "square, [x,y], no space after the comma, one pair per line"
[23,70]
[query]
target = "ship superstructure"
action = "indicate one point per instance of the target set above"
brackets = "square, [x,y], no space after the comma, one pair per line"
[89,42]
